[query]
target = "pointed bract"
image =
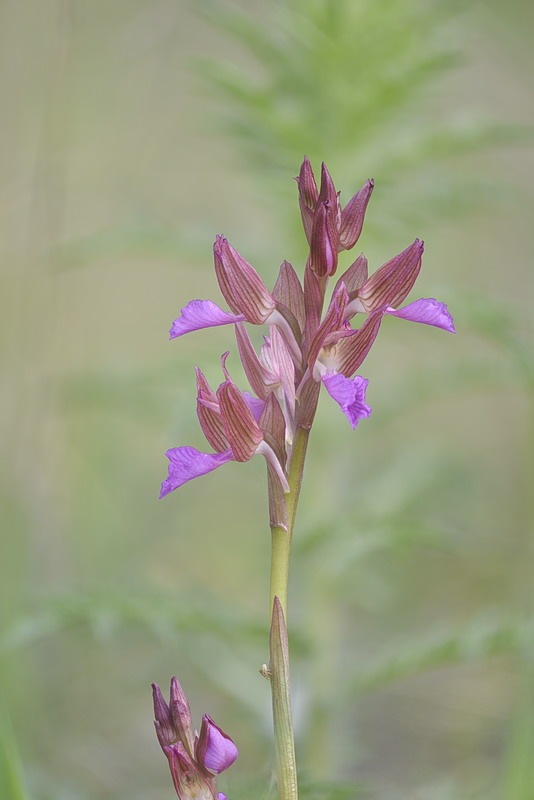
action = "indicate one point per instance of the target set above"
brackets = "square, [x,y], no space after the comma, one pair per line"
[273,425]
[288,291]
[313,304]
[276,355]
[355,276]
[261,378]
[332,322]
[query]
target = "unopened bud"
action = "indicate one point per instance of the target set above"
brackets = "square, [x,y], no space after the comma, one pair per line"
[323,244]
[181,715]
[308,193]
[353,215]
[165,729]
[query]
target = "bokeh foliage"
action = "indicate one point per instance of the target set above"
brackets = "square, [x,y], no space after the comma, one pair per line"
[126,149]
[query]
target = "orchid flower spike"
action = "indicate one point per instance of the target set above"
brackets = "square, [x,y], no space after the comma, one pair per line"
[304,348]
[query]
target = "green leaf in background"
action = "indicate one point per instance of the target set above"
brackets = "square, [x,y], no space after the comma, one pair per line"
[519,764]
[12,784]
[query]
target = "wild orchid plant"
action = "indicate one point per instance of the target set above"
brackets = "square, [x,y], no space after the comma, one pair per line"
[303,349]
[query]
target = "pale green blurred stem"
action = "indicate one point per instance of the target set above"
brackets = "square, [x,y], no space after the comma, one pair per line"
[286,767]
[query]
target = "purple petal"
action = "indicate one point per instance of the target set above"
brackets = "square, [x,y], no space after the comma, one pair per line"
[255,405]
[221,796]
[187,463]
[349,393]
[428,311]
[215,750]
[199,314]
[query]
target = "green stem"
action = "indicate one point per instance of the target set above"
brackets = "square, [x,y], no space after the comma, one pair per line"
[281,539]
[280,553]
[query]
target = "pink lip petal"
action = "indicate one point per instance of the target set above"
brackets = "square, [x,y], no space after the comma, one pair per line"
[349,394]
[199,314]
[186,463]
[427,311]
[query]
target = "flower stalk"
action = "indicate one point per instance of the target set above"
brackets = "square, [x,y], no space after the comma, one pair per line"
[284,740]
[280,537]
[311,343]
[278,673]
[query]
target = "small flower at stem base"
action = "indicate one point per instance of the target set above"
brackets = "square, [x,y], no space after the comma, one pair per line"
[194,760]
[215,751]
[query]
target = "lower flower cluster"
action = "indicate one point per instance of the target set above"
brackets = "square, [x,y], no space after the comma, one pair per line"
[304,348]
[194,759]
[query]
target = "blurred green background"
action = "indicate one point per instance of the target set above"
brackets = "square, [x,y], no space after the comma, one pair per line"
[133,131]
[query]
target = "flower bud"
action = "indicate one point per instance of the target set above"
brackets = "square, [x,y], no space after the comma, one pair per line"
[324,241]
[181,715]
[328,192]
[308,193]
[165,730]
[353,215]
[193,761]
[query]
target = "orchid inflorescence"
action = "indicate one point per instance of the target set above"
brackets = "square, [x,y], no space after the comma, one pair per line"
[303,348]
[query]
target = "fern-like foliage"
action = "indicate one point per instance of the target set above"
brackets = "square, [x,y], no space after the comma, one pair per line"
[342,81]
